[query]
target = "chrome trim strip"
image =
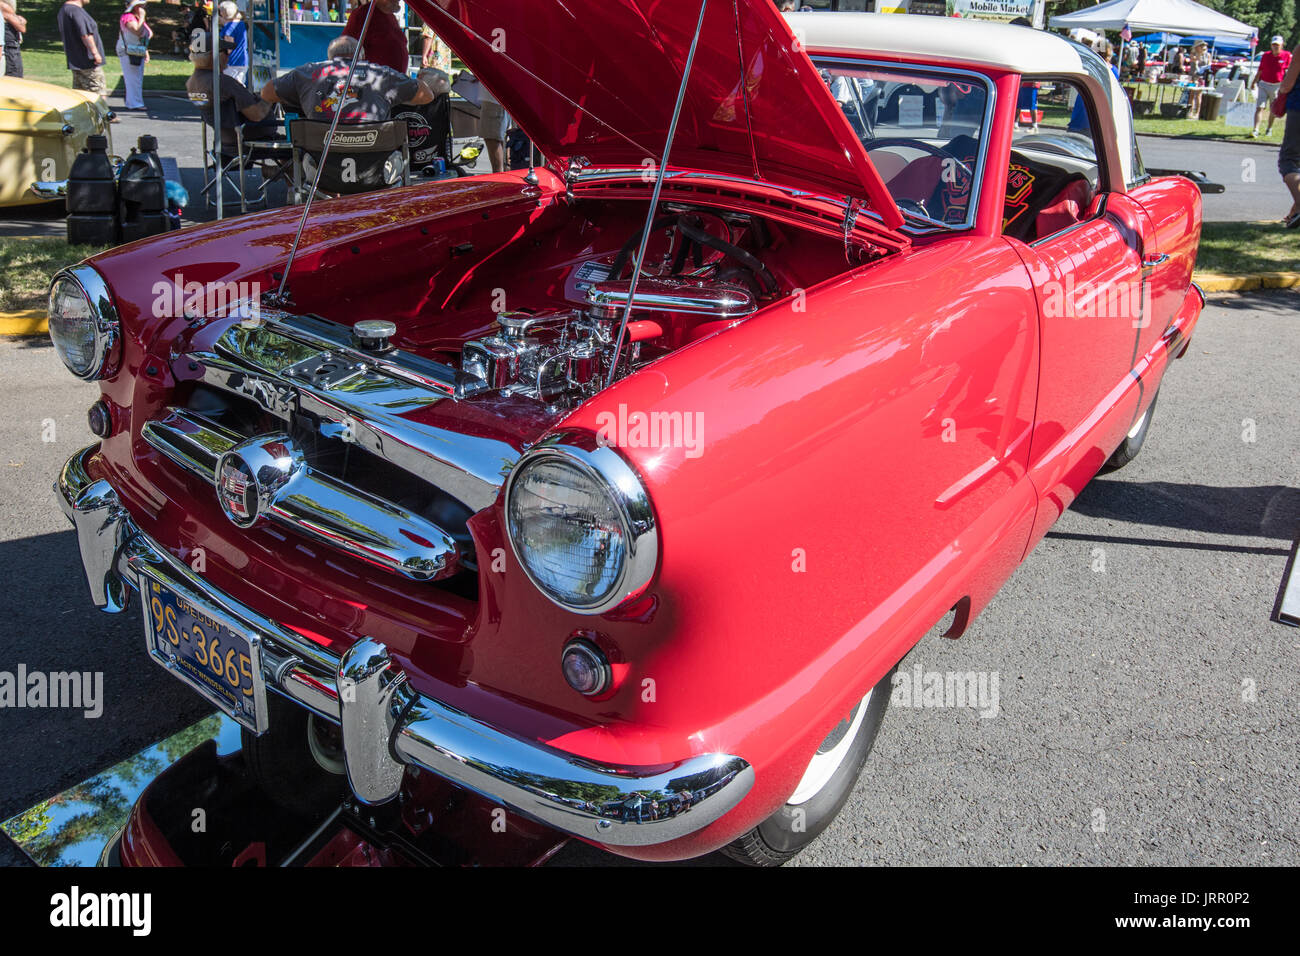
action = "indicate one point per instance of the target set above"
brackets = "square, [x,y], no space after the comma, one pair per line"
[196,445]
[606,803]
[316,505]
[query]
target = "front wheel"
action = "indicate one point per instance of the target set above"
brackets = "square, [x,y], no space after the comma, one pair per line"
[823,789]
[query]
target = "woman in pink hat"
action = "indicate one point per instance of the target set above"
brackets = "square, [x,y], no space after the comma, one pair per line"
[133,51]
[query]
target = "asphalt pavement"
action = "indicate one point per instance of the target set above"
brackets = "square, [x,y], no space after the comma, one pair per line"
[1253,190]
[1147,707]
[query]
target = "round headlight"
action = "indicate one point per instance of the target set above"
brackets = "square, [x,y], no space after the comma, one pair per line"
[580,523]
[83,323]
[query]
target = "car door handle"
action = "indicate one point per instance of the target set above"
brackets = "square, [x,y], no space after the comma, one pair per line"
[1150,262]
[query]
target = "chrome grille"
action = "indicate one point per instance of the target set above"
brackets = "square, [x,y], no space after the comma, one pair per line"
[363,475]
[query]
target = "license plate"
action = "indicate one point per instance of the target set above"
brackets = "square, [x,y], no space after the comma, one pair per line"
[207,649]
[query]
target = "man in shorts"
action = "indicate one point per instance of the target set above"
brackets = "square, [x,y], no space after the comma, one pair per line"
[1272,68]
[1288,156]
[82,47]
[492,127]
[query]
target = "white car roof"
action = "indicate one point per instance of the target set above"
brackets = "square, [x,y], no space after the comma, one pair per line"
[1000,45]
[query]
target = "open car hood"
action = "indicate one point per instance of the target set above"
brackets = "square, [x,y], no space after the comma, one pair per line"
[598,79]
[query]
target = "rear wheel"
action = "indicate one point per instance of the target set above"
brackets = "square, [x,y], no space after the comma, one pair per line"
[823,789]
[1132,444]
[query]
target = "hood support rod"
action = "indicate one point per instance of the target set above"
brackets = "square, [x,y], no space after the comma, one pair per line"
[654,197]
[279,296]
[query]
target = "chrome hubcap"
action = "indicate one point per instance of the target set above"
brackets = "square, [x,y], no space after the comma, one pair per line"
[1137,425]
[830,755]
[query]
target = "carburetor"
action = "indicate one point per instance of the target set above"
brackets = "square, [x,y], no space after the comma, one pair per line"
[542,355]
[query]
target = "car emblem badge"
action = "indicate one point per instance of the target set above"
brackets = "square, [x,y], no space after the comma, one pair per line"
[233,483]
[251,477]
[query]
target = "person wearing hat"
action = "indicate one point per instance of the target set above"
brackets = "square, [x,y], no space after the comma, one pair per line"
[133,38]
[239,105]
[234,27]
[1268,80]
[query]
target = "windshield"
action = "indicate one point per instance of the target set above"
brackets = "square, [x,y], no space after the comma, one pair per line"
[923,130]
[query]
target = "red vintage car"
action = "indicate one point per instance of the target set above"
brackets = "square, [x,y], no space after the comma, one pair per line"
[613,491]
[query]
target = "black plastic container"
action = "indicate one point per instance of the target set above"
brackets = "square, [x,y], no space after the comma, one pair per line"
[142,192]
[92,196]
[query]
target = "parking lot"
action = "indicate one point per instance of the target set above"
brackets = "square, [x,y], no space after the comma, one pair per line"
[1146,709]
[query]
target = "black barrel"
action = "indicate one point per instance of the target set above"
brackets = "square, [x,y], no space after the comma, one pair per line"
[142,192]
[92,196]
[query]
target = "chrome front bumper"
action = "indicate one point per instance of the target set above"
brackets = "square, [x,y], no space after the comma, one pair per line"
[388,726]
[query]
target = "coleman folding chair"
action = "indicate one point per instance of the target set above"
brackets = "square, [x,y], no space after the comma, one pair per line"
[362,157]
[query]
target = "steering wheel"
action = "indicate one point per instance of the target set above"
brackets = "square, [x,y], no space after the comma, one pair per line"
[924,147]
[918,205]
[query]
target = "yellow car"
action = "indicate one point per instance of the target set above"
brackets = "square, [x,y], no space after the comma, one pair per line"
[42,127]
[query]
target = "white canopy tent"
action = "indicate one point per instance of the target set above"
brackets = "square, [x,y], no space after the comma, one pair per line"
[1184,17]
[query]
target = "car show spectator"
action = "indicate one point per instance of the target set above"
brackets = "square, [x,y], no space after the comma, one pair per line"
[182,37]
[1288,156]
[1268,80]
[14,27]
[132,50]
[82,47]
[1179,62]
[234,27]
[492,123]
[238,105]
[315,89]
[385,39]
[434,53]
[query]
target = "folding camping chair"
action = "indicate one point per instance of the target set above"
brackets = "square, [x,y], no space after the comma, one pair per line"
[362,157]
[219,165]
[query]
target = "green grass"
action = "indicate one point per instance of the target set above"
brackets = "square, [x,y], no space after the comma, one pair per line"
[26,266]
[1236,248]
[43,57]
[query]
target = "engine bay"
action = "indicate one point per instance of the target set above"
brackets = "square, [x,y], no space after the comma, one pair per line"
[530,306]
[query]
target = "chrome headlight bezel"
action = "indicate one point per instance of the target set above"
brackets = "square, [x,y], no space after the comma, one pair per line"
[620,481]
[103,317]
